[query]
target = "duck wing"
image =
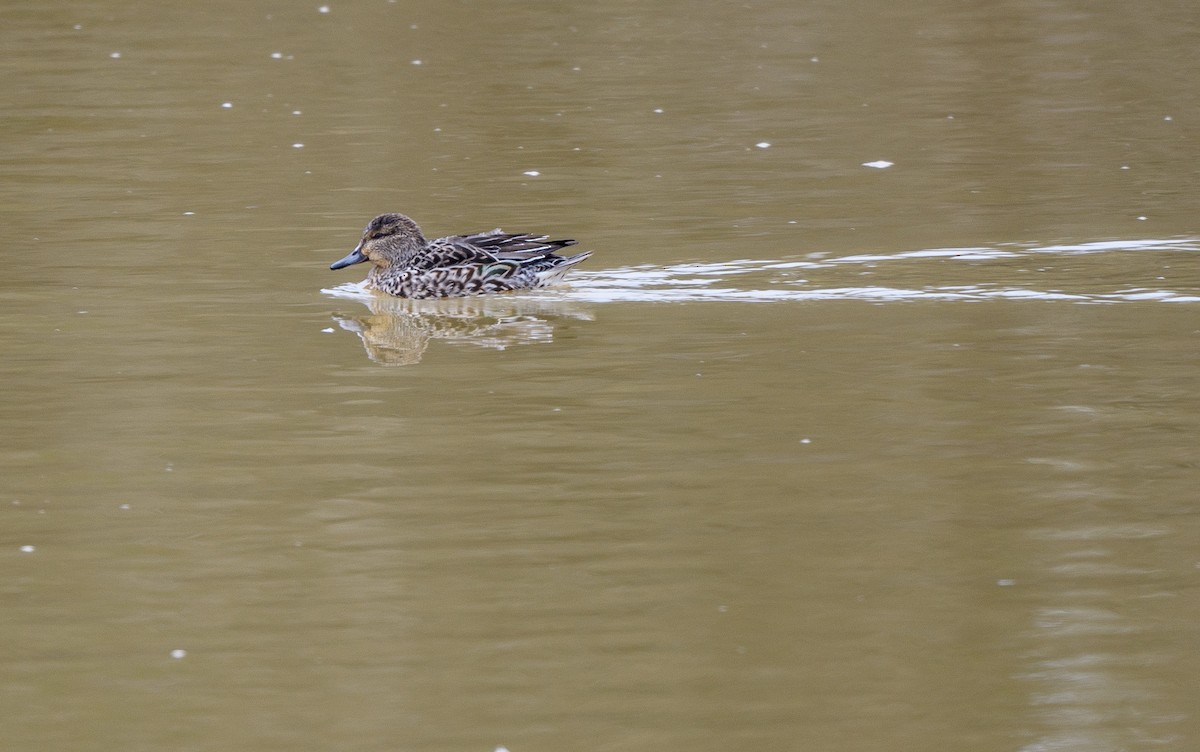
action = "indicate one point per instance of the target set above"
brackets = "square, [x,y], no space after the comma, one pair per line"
[504,244]
[455,250]
[486,248]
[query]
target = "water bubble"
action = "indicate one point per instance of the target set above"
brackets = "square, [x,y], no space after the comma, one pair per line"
[27,549]
[227,105]
[114,55]
[763,144]
[532,173]
[323,9]
[178,653]
[879,164]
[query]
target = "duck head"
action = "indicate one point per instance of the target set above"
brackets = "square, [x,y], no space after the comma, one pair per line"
[386,240]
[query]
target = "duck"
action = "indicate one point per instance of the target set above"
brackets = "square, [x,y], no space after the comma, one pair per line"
[406,265]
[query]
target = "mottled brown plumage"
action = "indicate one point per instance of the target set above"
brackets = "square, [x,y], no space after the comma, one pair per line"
[407,265]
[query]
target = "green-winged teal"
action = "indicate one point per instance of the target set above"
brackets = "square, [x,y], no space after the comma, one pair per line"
[407,265]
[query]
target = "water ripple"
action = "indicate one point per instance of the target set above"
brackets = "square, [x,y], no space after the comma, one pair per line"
[993,273]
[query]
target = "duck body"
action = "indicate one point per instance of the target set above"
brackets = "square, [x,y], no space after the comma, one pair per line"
[405,264]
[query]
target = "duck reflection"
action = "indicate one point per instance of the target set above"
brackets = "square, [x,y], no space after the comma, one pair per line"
[396,331]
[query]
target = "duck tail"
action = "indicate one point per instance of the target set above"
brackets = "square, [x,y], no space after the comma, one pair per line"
[560,269]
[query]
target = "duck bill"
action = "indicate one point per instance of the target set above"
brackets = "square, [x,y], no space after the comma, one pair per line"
[355,257]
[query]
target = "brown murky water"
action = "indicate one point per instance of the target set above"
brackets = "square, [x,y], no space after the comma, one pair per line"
[811,455]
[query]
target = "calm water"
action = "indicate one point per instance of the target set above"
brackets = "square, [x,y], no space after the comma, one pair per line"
[812,455]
